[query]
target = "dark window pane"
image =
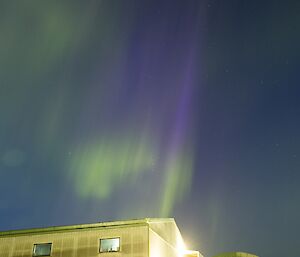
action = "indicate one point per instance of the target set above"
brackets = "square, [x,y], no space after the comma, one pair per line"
[110,245]
[42,249]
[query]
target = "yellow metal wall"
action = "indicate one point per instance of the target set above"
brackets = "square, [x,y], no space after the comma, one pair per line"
[169,232]
[79,243]
[159,247]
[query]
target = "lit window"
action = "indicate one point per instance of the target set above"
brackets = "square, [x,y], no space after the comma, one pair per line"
[109,245]
[42,249]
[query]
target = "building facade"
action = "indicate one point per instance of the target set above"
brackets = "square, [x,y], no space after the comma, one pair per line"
[134,238]
[236,254]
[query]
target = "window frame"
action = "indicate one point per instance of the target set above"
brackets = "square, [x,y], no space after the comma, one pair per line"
[107,238]
[37,244]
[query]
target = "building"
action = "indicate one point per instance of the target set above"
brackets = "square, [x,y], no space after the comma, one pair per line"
[236,254]
[133,238]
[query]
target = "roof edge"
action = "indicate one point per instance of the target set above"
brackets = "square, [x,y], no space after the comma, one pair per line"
[85,226]
[236,253]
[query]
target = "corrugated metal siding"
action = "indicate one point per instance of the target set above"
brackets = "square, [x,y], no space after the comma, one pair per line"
[168,231]
[81,243]
[160,247]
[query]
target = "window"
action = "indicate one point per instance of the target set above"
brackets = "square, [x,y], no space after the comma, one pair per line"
[109,245]
[42,249]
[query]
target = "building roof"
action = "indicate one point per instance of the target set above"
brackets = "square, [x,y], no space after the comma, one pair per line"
[87,226]
[236,254]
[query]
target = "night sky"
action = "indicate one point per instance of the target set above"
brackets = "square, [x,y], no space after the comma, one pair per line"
[121,109]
